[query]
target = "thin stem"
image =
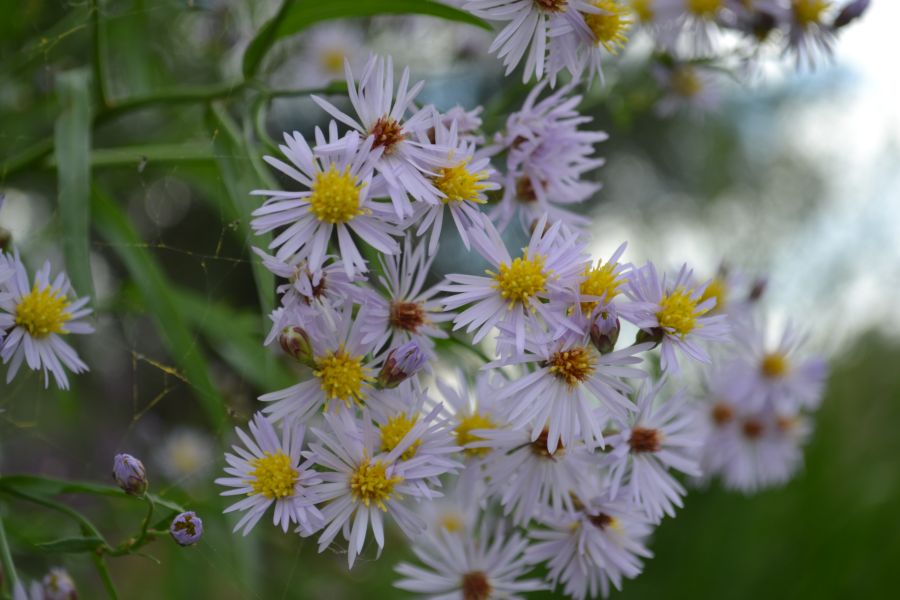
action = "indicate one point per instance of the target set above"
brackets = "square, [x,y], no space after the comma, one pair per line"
[86,525]
[99,71]
[9,568]
[149,516]
[176,96]
[105,577]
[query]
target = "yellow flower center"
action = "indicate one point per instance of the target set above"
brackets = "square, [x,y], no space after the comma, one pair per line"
[460,184]
[521,279]
[643,9]
[370,484]
[717,289]
[678,312]
[600,281]
[774,365]
[335,196]
[394,431]
[42,312]
[706,9]
[273,476]
[451,522]
[573,366]
[464,435]
[685,82]
[609,25]
[332,60]
[342,376]
[809,12]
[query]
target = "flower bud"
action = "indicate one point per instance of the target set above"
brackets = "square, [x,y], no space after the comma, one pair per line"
[655,336]
[850,13]
[758,289]
[401,363]
[5,239]
[130,474]
[295,342]
[186,528]
[58,585]
[605,334]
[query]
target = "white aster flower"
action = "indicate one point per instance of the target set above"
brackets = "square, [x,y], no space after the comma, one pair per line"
[185,454]
[397,145]
[327,47]
[36,316]
[660,436]
[676,314]
[468,123]
[687,87]
[478,565]
[404,311]
[810,37]
[336,199]
[269,471]
[602,543]
[516,294]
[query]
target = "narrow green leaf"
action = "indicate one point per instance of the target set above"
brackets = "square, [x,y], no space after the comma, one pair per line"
[37,485]
[155,291]
[139,156]
[72,154]
[71,545]
[296,15]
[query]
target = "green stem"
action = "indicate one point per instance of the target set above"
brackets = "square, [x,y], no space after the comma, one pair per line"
[97,41]
[176,96]
[105,577]
[9,568]
[149,516]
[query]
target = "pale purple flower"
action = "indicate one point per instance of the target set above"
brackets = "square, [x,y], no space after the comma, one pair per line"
[130,474]
[186,528]
[687,87]
[59,585]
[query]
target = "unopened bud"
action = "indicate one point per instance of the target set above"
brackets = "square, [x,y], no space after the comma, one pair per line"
[295,342]
[654,336]
[758,289]
[605,334]
[401,363]
[186,528]
[58,585]
[5,239]
[130,474]
[850,13]
[762,23]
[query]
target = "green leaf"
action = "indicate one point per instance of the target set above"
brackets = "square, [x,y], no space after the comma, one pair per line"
[155,291]
[71,545]
[73,150]
[296,15]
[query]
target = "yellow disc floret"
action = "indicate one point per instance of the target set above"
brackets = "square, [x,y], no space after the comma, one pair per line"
[394,431]
[678,312]
[460,184]
[370,484]
[774,365]
[273,476]
[609,25]
[573,366]
[342,376]
[601,281]
[464,435]
[809,12]
[452,522]
[685,82]
[42,312]
[335,196]
[643,9]
[332,60]
[706,9]
[717,289]
[522,279]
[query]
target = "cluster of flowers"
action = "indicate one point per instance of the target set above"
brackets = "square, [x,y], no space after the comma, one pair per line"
[576,35]
[57,584]
[561,450]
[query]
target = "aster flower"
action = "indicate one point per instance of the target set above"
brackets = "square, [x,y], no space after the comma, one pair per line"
[809,35]
[472,408]
[343,372]
[185,455]
[270,471]
[463,183]
[678,317]
[336,199]
[779,376]
[397,146]
[468,123]
[686,87]
[186,528]
[328,283]
[659,437]
[36,317]
[33,592]
[57,584]
[486,564]
[405,311]
[699,19]
[601,290]
[516,293]
[363,483]
[602,543]
[326,47]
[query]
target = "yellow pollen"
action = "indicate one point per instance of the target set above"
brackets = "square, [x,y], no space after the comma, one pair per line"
[451,522]
[774,365]
[273,476]
[521,279]
[684,81]
[717,289]
[464,435]
[42,312]
[609,25]
[342,376]
[393,432]
[678,312]
[809,12]
[370,484]
[335,196]
[600,281]
[643,9]
[460,184]
[332,60]
[706,9]
[573,365]
[552,5]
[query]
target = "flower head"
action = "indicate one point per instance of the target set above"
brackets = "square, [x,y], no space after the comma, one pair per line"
[186,528]
[130,474]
